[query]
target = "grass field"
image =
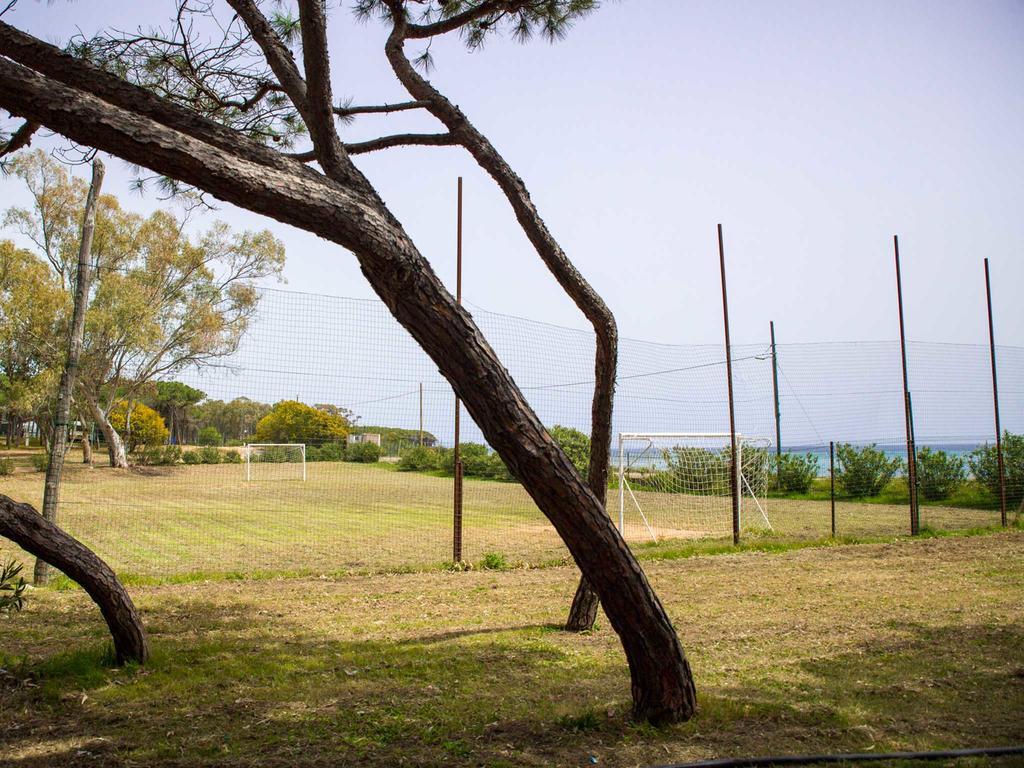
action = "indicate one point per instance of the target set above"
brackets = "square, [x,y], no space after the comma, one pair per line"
[879,647]
[167,523]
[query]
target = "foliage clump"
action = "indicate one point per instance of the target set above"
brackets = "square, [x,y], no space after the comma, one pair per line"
[984,465]
[6,466]
[209,436]
[419,458]
[794,473]
[12,587]
[138,425]
[939,474]
[363,453]
[575,445]
[864,471]
[290,421]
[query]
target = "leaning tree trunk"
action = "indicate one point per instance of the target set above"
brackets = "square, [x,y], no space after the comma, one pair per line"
[115,445]
[144,129]
[583,612]
[51,488]
[25,527]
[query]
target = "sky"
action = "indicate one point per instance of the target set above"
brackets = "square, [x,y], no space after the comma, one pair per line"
[812,131]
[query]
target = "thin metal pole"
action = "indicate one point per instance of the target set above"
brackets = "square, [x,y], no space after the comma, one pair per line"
[778,412]
[907,408]
[733,475]
[995,400]
[832,481]
[622,488]
[421,414]
[457,511]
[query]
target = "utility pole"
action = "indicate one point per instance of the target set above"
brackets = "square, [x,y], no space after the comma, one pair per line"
[995,400]
[778,412]
[457,512]
[908,409]
[734,480]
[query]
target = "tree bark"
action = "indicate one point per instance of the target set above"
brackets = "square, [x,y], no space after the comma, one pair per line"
[583,612]
[29,530]
[58,451]
[115,445]
[662,683]
[86,440]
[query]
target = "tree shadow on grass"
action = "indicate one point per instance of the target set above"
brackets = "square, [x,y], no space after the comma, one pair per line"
[236,686]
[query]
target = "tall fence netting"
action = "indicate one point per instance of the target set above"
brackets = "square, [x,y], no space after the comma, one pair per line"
[335,506]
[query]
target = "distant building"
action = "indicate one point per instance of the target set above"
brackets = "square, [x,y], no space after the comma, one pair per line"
[364,437]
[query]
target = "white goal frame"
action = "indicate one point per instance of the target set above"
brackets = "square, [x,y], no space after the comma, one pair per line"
[737,468]
[250,446]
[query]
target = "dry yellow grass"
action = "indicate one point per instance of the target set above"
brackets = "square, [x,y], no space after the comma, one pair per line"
[911,645]
[167,522]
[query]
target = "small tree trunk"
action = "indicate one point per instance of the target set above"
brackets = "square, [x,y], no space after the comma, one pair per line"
[29,530]
[115,445]
[58,449]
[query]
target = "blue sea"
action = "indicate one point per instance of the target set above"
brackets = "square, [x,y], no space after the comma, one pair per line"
[652,457]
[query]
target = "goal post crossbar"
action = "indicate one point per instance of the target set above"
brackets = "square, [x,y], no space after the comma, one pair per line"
[248,455]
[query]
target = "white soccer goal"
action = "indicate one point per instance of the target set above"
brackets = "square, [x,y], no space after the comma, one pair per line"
[678,484]
[275,461]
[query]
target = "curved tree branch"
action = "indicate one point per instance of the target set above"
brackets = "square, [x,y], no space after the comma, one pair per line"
[23,525]
[584,610]
[319,111]
[80,74]
[385,142]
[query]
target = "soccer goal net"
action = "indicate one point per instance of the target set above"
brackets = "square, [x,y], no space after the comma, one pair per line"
[275,461]
[678,485]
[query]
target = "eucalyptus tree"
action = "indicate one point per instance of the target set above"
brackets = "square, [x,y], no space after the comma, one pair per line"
[246,120]
[163,300]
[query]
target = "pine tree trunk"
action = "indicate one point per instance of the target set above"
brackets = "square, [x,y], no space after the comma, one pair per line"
[58,451]
[23,525]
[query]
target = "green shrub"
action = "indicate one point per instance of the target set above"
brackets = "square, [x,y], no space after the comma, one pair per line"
[690,469]
[363,453]
[984,466]
[864,471]
[209,436]
[234,443]
[192,458]
[419,458]
[231,457]
[158,455]
[41,461]
[208,454]
[575,444]
[12,587]
[6,467]
[494,561]
[335,452]
[794,473]
[939,474]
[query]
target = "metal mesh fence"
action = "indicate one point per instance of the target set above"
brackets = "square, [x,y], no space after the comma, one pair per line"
[349,509]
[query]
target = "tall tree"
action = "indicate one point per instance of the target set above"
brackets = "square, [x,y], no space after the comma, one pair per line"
[163,301]
[187,120]
[175,401]
[32,310]
[69,374]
